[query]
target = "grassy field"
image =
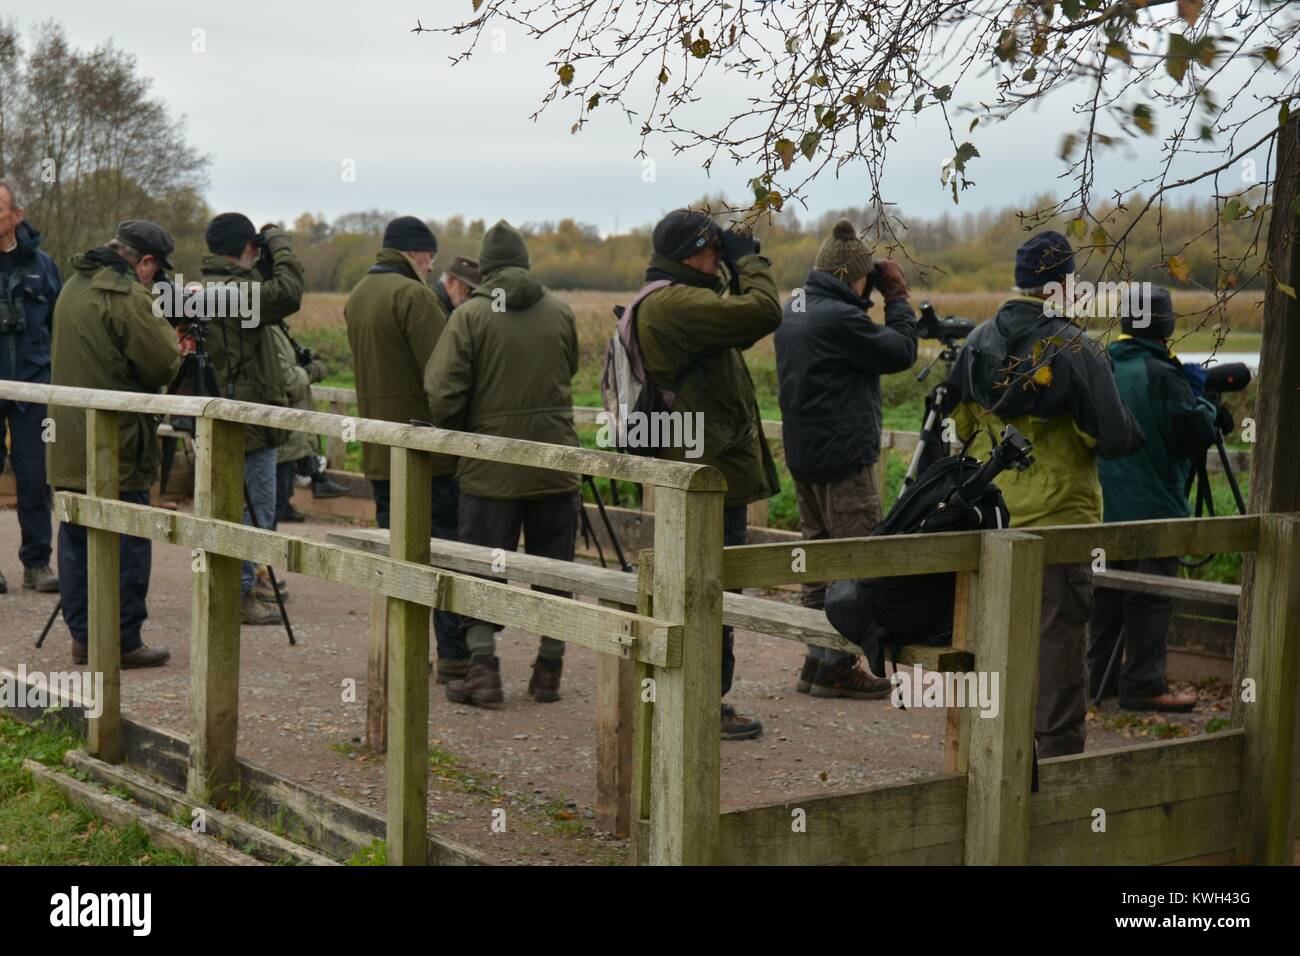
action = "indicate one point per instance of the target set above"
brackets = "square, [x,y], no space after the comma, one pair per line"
[38,827]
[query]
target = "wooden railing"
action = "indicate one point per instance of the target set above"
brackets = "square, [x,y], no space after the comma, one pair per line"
[1224,796]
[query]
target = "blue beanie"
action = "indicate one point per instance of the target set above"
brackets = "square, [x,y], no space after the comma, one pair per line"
[1046,257]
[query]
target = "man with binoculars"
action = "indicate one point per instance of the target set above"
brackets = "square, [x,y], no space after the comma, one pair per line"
[262,268]
[1168,400]
[691,338]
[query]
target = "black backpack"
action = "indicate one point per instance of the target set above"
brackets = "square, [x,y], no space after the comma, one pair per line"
[953,494]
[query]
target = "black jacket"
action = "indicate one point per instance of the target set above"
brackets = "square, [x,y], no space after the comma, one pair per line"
[829,359]
[30,286]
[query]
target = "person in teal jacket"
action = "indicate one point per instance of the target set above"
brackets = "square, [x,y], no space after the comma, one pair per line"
[1168,400]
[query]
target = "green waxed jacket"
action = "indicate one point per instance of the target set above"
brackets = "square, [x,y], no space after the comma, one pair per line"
[243,355]
[394,320]
[297,388]
[505,367]
[107,336]
[692,339]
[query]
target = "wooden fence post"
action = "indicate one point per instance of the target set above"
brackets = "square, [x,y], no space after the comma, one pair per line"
[214,627]
[684,806]
[956,731]
[1000,754]
[408,665]
[615,703]
[643,719]
[103,566]
[1266,800]
[377,676]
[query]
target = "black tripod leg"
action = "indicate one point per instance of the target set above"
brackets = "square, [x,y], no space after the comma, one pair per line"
[1110,669]
[45,632]
[270,573]
[1227,470]
[609,525]
[589,533]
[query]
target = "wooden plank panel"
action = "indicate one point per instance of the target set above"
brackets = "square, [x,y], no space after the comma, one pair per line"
[1142,837]
[214,622]
[1268,766]
[1143,775]
[377,676]
[1001,747]
[1186,589]
[893,823]
[103,587]
[408,667]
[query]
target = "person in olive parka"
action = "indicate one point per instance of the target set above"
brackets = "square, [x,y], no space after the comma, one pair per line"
[504,366]
[245,362]
[691,338]
[394,320]
[106,336]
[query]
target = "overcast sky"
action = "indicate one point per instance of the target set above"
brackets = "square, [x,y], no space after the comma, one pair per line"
[286,91]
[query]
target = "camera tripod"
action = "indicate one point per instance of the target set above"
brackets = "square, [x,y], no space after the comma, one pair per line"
[950,332]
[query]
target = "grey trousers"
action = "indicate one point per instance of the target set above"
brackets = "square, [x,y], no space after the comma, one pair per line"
[1062,679]
[1141,621]
[849,508]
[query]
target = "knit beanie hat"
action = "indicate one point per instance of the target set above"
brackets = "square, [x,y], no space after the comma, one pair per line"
[843,254]
[503,245]
[1158,323]
[1046,257]
[682,233]
[409,234]
[228,233]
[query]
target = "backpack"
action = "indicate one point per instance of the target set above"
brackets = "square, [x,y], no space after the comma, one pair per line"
[625,386]
[989,377]
[954,494]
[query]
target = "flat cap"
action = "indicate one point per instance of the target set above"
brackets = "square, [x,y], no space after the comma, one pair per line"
[466,270]
[148,238]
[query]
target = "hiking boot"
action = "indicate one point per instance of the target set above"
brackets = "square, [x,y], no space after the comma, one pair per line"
[291,515]
[845,678]
[806,675]
[142,656]
[325,488]
[146,656]
[481,686]
[1168,702]
[446,671]
[253,611]
[41,579]
[544,685]
[737,727]
[263,591]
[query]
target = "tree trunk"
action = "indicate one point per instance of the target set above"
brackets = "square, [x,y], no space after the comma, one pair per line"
[1275,463]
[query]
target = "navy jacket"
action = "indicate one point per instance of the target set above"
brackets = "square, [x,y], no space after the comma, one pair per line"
[25,355]
[829,359]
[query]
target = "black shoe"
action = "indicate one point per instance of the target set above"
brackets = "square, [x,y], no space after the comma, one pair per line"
[738,727]
[291,514]
[804,684]
[325,488]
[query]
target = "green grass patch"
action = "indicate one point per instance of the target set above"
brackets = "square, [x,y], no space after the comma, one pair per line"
[39,827]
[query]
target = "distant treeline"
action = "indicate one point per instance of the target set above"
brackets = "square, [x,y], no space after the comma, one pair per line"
[969,252]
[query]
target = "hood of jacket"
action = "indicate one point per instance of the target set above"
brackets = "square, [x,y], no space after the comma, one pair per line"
[826,286]
[522,289]
[392,260]
[101,257]
[679,273]
[28,239]
[217,265]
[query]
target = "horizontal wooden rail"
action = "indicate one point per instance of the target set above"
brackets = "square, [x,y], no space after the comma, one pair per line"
[1186,589]
[841,559]
[603,629]
[761,615]
[514,451]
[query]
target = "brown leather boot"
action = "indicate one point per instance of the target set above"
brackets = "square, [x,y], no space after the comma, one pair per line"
[446,671]
[1168,702]
[806,674]
[844,678]
[544,685]
[481,686]
[739,726]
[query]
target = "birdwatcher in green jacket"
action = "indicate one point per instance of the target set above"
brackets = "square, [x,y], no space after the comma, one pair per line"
[1168,400]
[394,320]
[260,282]
[504,366]
[693,333]
[106,336]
